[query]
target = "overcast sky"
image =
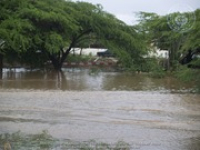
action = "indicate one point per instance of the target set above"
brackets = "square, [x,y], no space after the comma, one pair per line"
[125,9]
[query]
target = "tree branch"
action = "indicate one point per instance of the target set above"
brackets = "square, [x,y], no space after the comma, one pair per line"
[75,40]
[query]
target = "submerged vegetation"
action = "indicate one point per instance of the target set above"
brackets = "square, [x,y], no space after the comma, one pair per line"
[44,141]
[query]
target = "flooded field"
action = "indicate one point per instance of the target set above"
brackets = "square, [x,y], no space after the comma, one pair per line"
[84,106]
[88,80]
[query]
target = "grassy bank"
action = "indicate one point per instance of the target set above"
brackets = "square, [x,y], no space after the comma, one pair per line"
[44,141]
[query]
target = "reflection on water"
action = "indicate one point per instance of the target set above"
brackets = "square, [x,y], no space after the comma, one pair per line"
[75,79]
[80,106]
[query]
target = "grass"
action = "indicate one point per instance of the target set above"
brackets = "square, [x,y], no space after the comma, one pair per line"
[44,141]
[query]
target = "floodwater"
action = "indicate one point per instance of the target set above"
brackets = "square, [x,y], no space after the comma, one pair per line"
[88,80]
[80,105]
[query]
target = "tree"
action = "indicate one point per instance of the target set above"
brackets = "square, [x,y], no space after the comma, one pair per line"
[193,41]
[165,32]
[54,27]
[179,33]
[12,37]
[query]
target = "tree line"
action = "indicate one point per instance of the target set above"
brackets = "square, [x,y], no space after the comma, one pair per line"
[33,32]
[177,32]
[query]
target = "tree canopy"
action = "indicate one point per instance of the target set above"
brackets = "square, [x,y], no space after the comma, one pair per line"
[49,29]
[176,32]
[193,38]
[33,32]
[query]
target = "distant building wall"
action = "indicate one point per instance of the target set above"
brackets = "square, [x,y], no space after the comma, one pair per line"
[93,51]
[159,54]
[87,51]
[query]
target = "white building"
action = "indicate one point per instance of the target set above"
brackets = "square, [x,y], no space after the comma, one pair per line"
[159,54]
[87,51]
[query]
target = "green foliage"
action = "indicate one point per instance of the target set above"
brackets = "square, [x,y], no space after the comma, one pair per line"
[79,58]
[189,75]
[152,66]
[184,74]
[28,57]
[164,33]
[158,72]
[53,42]
[20,141]
[55,26]
[195,62]
[192,40]
[44,140]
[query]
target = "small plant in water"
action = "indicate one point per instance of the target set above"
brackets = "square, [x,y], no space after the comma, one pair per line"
[94,71]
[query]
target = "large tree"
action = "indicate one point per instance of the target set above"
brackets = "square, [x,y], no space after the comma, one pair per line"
[192,43]
[13,30]
[168,32]
[53,27]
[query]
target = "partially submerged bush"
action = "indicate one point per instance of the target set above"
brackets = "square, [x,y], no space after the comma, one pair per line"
[189,75]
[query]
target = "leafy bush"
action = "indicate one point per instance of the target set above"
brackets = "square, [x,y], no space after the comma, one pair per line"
[152,66]
[189,75]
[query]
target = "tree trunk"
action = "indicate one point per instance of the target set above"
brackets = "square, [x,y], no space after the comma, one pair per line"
[81,51]
[58,59]
[57,62]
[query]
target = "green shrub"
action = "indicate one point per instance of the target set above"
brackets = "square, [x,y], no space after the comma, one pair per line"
[189,75]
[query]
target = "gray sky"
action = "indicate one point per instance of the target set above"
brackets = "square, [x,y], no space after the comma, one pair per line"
[125,9]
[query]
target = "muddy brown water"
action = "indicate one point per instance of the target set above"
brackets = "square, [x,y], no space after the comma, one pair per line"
[149,114]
